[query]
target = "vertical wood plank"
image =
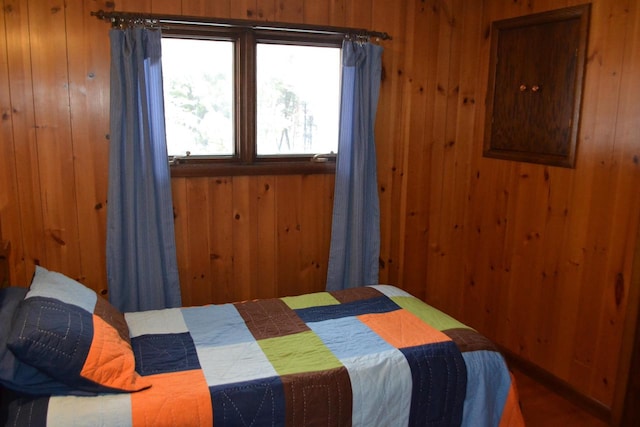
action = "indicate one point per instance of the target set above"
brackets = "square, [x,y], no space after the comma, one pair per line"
[269,260]
[243,9]
[627,297]
[220,240]
[289,233]
[26,207]
[389,17]
[289,10]
[180,209]
[244,239]
[53,136]
[316,12]
[88,59]
[425,22]
[267,10]
[216,9]
[199,277]
[9,196]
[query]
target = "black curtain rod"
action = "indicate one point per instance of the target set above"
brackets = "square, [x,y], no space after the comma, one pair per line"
[160,20]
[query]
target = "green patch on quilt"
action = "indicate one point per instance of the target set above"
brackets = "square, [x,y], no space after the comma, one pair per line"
[298,353]
[428,314]
[310,300]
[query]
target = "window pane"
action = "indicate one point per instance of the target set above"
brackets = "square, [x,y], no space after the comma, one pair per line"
[198,96]
[298,99]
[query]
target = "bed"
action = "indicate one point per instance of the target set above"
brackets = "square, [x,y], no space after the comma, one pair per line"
[368,356]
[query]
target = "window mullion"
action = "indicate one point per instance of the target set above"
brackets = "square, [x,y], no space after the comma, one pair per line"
[246,97]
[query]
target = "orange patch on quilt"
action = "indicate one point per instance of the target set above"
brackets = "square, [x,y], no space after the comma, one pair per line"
[401,329]
[174,399]
[511,414]
[110,361]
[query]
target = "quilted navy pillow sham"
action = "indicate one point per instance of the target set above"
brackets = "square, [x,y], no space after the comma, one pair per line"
[67,331]
[15,374]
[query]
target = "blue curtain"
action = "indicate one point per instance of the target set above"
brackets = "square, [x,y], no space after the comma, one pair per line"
[355,232]
[142,270]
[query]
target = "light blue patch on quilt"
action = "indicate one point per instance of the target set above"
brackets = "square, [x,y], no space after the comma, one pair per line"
[348,337]
[391,291]
[488,385]
[54,285]
[103,410]
[381,387]
[216,325]
[166,321]
[234,363]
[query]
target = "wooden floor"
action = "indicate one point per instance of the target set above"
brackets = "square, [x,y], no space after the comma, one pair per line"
[543,408]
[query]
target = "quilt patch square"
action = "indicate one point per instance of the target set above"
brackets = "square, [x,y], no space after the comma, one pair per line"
[348,337]
[162,353]
[318,398]
[216,325]
[270,318]
[298,353]
[174,399]
[470,340]
[168,321]
[353,308]
[250,403]
[68,410]
[401,329]
[381,387]
[356,294]
[433,317]
[439,377]
[234,363]
[310,300]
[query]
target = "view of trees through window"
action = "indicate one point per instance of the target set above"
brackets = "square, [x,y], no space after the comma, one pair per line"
[298,99]
[298,96]
[198,94]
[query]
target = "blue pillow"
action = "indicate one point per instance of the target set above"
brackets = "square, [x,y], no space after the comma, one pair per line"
[66,330]
[14,374]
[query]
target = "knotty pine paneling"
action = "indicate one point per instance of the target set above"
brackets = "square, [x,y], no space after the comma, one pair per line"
[537,258]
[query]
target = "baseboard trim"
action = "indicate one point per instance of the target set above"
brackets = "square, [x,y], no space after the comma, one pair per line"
[560,387]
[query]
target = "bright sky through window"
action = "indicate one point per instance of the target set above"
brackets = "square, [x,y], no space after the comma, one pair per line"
[298,98]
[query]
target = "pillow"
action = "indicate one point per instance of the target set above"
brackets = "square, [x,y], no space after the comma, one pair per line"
[66,330]
[14,374]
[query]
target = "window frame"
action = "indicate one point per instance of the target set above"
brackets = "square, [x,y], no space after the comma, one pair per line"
[245,160]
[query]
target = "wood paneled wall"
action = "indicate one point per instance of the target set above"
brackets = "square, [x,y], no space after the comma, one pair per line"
[537,258]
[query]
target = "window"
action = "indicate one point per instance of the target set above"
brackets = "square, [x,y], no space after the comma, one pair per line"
[246,101]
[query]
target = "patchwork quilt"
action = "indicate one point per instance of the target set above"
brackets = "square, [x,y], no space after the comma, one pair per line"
[370,356]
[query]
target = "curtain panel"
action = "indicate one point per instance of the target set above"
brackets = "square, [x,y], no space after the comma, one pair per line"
[355,232]
[142,270]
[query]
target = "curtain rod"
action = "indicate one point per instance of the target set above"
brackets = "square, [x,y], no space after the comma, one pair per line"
[159,19]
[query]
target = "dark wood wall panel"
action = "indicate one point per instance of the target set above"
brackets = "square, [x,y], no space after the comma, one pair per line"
[538,258]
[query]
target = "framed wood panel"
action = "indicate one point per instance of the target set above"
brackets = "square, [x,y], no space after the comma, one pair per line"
[535,86]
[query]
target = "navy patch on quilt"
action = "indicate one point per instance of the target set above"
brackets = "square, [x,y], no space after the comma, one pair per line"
[249,403]
[164,353]
[439,384]
[381,304]
[24,411]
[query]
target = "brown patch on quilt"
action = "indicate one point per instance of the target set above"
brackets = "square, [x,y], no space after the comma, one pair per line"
[318,398]
[113,317]
[270,318]
[356,294]
[469,340]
